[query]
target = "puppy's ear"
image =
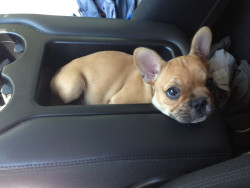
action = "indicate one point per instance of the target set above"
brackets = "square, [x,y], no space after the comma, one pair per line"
[148,62]
[201,43]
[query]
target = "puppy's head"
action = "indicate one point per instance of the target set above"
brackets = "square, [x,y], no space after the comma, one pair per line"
[181,85]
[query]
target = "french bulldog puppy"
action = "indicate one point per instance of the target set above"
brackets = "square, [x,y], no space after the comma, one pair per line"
[178,88]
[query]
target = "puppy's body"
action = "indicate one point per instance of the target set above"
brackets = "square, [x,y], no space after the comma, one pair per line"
[107,77]
[177,87]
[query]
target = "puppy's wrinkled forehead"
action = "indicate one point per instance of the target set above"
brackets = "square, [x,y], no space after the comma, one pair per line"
[185,70]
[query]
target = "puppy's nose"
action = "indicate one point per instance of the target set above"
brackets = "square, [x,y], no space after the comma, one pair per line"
[199,104]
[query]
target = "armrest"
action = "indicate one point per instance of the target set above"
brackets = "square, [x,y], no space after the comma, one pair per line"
[107,150]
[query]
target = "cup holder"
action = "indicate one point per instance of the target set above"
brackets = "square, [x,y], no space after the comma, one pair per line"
[11,48]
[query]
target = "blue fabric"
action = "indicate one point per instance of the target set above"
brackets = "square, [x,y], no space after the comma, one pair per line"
[107,8]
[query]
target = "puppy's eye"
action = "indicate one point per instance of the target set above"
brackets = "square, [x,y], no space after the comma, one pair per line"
[210,83]
[173,93]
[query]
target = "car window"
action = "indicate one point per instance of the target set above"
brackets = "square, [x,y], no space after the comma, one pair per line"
[47,7]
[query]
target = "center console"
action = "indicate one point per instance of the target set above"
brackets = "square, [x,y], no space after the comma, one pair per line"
[91,145]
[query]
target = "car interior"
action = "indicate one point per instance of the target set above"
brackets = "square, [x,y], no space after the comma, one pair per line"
[121,145]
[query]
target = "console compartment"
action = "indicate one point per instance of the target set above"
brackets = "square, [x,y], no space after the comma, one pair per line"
[58,53]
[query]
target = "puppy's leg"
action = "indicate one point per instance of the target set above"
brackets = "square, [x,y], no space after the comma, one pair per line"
[118,99]
[121,98]
[68,85]
[130,95]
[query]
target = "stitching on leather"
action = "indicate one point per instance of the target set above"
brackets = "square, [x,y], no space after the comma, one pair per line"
[156,163]
[109,159]
[220,178]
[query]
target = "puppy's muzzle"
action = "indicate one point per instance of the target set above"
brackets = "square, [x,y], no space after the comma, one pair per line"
[200,109]
[199,105]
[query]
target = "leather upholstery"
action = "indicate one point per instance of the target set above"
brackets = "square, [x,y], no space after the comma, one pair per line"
[188,15]
[231,173]
[106,150]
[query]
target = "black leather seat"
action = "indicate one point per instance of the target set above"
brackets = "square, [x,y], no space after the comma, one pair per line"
[188,15]
[231,173]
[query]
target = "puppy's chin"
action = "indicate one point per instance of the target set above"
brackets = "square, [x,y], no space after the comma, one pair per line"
[189,115]
[199,119]
[185,115]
